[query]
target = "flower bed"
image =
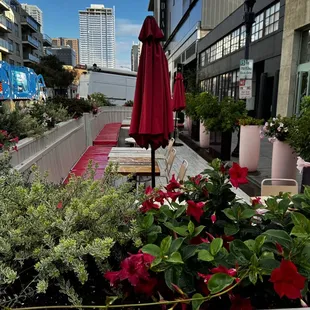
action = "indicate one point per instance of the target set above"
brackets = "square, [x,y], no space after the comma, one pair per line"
[192,245]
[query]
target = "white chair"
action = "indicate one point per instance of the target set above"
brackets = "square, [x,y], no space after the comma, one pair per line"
[168,150]
[182,171]
[169,163]
[277,186]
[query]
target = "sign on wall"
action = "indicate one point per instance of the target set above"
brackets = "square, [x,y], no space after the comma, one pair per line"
[163,17]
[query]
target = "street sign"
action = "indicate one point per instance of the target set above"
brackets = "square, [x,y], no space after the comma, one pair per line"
[246,69]
[245,89]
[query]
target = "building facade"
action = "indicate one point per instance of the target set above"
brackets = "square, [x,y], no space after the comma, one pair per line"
[295,62]
[73,43]
[97,36]
[35,12]
[136,50]
[222,49]
[183,23]
[65,54]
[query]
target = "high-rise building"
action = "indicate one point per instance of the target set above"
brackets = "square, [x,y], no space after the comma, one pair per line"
[97,36]
[35,12]
[65,54]
[73,43]
[135,56]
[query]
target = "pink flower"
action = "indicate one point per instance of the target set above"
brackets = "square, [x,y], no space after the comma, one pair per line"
[301,164]
[59,206]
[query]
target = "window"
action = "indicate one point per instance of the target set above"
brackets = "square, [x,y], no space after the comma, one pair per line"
[227,44]
[258,26]
[235,36]
[213,53]
[272,19]
[11,46]
[202,59]
[16,30]
[17,49]
[208,54]
[219,49]
[305,47]
[242,36]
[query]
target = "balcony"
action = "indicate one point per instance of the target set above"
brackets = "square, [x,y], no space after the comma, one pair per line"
[4,46]
[31,41]
[30,23]
[28,57]
[4,5]
[47,41]
[5,24]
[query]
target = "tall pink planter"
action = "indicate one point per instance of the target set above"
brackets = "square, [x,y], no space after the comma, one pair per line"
[189,123]
[284,161]
[249,150]
[204,137]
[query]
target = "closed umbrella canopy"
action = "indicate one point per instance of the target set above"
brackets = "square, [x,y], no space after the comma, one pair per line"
[152,117]
[178,93]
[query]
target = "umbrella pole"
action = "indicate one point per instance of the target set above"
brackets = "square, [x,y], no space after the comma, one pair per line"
[175,125]
[153,166]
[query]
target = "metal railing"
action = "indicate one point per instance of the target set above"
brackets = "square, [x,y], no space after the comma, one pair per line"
[32,23]
[47,38]
[31,39]
[5,22]
[4,44]
[31,57]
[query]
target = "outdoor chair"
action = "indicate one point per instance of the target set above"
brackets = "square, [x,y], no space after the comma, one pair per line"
[277,186]
[182,171]
[169,163]
[168,150]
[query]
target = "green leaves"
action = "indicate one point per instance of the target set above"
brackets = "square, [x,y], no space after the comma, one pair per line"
[241,252]
[165,245]
[302,225]
[175,258]
[219,282]
[148,221]
[197,303]
[152,249]
[216,246]
[191,227]
[279,236]
[205,255]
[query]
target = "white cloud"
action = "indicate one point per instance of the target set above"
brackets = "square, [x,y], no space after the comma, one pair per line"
[125,27]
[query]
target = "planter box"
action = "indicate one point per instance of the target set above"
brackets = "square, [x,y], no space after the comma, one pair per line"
[204,137]
[195,130]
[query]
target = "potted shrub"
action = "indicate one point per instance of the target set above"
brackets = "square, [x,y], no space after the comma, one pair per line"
[192,117]
[221,116]
[299,138]
[284,158]
[249,148]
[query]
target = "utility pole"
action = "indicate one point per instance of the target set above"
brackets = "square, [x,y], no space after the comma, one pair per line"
[249,19]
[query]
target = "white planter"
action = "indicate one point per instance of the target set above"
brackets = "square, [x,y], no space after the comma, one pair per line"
[204,137]
[189,123]
[284,161]
[249,150]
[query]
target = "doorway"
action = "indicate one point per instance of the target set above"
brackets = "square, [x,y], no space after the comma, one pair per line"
[303,84]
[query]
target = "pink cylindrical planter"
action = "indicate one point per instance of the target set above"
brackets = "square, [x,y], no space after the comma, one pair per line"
[249,149]
[284,161]
[204,137]
[189,124]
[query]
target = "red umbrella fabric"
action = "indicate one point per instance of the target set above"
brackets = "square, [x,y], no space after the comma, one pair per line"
[178,93]
[152,116]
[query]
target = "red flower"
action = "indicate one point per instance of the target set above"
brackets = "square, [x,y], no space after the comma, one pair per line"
[195,209]
[14,148]
[256,201]
[196,179]
[239,303]
[287,281]
[213,218]
[238,175]
[59,206]
[148,205]
[198,240]
[148,191]
[279,248]
[205,192]
[134,269]
[1,145]
[222,169]
[221,269]
[226,241]
[173,195]
[173,184]
[4,133]
[14,140]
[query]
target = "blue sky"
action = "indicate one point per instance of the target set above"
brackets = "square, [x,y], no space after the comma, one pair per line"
[60,18]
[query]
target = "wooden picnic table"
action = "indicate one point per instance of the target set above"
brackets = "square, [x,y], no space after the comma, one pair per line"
[131,152]
[139,166]
[126,122]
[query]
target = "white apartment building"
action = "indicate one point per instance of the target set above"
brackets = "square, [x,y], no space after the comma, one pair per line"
[97,36]
[35,12]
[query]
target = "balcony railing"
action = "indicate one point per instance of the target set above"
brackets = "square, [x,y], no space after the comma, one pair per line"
[33,58]
[5,22]
[4,44]
[5,3]
[31,22]
[48,39]
[31,40]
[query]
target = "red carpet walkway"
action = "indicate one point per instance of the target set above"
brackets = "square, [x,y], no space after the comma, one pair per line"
[98,153]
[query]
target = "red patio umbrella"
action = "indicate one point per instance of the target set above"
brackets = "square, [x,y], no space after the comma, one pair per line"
[152,117]
[178,98]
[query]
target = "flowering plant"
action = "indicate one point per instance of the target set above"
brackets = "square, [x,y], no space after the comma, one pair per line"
[7,141]
[206,247]
[250,121]
[277,128]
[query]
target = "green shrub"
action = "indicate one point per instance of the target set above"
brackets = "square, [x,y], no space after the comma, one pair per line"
[56,242]
[100,100]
